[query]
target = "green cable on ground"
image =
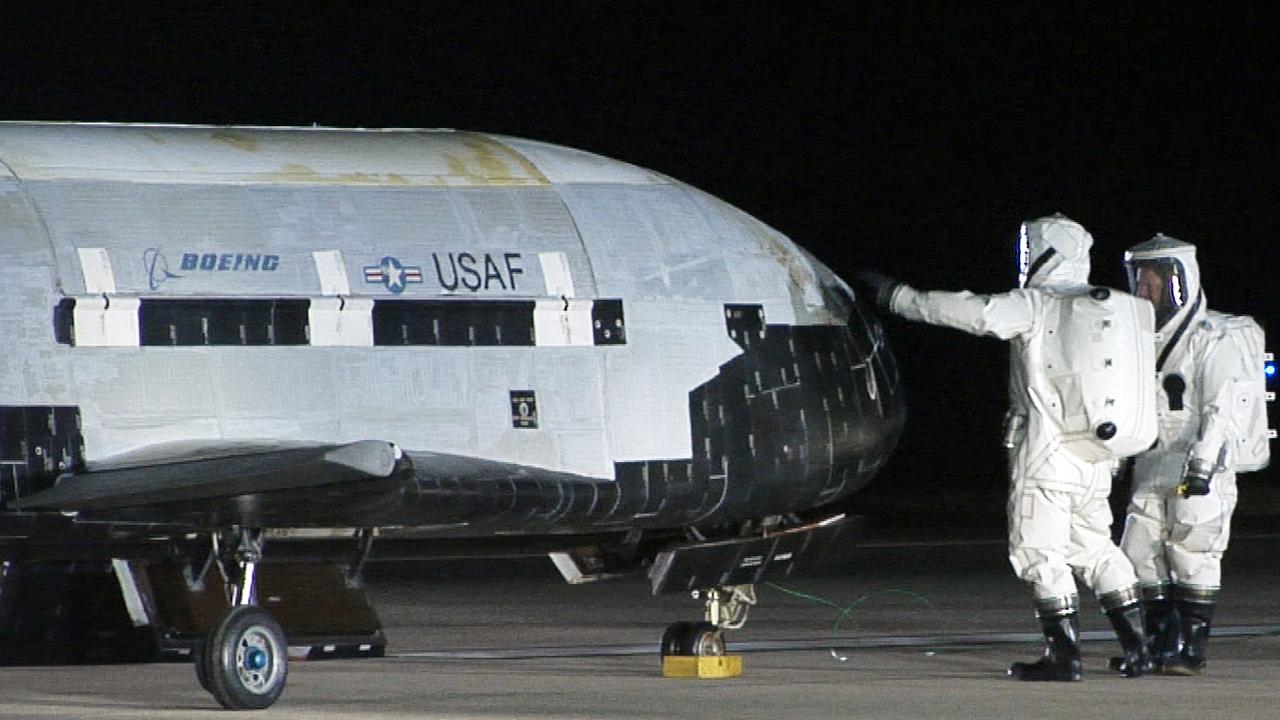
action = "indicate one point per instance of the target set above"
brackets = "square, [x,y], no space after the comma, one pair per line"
[846,611]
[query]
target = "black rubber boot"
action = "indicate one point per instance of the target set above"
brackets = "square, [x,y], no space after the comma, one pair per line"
[1061,659]
[1164,633]
[1130,630]
[1194,618]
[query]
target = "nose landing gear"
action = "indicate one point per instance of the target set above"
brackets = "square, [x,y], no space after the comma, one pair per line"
[697,649]
[701,639]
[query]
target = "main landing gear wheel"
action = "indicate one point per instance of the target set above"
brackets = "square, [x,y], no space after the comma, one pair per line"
[245,661]
[201,666]
[700,639]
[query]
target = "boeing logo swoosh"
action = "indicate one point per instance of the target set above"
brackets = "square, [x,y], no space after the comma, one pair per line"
[157,268]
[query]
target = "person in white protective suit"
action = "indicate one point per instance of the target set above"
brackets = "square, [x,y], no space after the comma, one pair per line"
[1058,510]
[1184,489]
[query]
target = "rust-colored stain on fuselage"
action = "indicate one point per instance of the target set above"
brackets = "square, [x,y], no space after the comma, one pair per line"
[492,163]
[299,173]
[457,159]
[295,172]
[239,141]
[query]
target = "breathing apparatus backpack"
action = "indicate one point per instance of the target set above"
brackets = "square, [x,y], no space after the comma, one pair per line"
[1249,396]
[1100,363]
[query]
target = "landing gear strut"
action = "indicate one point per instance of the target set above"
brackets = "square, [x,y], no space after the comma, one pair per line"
[243,661]
[725,609]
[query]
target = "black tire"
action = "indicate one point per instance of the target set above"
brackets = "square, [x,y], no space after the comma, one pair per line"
[674,638]
[201,665]
[700,639]
[703,640]
[246,660]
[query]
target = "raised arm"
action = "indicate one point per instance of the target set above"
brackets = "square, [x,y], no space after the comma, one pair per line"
[1004,315]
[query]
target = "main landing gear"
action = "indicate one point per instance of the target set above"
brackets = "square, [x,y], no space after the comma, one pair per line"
[243,661]
[725,609]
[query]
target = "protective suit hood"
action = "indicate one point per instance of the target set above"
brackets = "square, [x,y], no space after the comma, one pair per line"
[1053,253]
[1165,271]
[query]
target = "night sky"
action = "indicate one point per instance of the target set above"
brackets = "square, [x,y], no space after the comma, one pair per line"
[894,135]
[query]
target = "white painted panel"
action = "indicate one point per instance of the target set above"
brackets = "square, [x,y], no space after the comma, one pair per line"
[103,322]
[95,264]
[332,271]
[556,274]
[560,323]
[346,322]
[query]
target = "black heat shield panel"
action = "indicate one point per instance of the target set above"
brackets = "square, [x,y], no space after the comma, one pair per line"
[743,561]
[37,444]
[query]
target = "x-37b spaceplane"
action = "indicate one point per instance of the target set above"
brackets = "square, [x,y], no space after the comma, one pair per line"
[239,363]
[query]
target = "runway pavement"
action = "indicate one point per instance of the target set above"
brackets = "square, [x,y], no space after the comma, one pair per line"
[895,651]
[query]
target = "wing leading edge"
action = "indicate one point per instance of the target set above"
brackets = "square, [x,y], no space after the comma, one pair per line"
[207,474]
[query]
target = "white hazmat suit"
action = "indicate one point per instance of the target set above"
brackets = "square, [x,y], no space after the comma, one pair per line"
[1184,489]
[1058,511]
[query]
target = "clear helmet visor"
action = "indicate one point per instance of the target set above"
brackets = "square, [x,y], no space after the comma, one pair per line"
[1163,281]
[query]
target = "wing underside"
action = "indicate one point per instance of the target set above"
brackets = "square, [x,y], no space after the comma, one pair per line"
[227,472]
[361,484]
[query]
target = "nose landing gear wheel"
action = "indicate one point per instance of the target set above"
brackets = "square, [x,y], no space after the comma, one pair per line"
[700,639]
[245,660]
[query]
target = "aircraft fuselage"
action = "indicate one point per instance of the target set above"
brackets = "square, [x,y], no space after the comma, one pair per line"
[557,341]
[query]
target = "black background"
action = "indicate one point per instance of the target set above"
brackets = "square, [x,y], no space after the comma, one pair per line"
[899,135]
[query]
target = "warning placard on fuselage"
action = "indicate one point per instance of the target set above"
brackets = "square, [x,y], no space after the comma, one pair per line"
[524,409]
